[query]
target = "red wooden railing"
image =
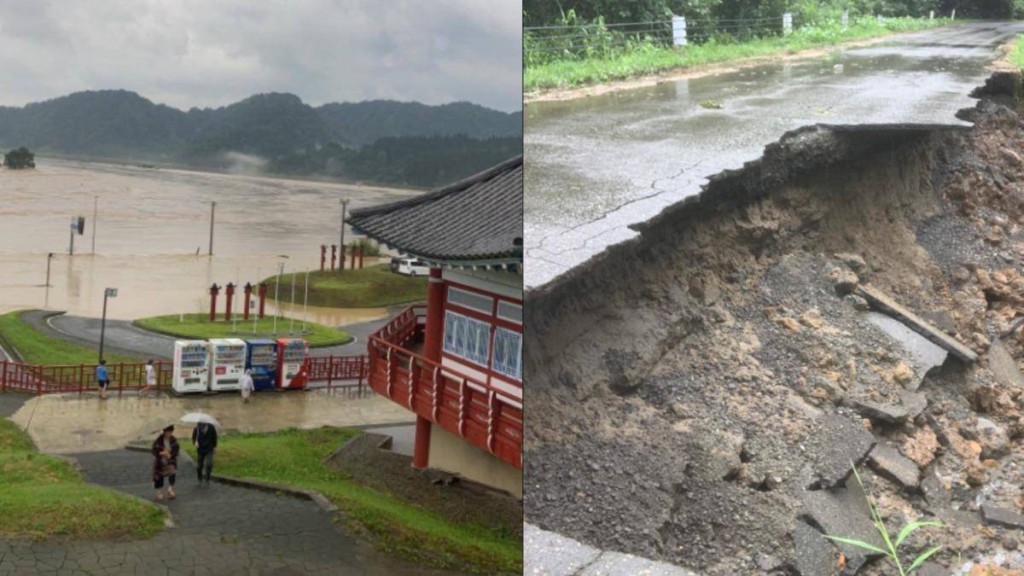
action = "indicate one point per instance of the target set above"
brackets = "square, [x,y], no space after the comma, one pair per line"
[337,371]
[482,415]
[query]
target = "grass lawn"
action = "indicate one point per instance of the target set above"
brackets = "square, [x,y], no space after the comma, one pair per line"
[38,348]
[198,326]
[43,496]
[650,59]
[294,457]
[1017,55]
[372,287]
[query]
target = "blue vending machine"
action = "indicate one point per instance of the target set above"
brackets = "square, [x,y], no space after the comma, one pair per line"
[261,361]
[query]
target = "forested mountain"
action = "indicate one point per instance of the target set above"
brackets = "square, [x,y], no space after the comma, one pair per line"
[378,141]
[364,122]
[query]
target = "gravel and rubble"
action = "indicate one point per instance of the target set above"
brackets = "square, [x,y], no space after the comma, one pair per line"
[701,394]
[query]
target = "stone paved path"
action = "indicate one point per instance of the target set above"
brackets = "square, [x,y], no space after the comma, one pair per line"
[220,529]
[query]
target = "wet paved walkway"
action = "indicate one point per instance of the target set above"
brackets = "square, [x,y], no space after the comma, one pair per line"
[550,554]
[69,423]
[595,166]
[121,337]
[220,530]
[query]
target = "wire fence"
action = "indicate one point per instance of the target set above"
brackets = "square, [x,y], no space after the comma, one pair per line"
[570,41]
[573,41]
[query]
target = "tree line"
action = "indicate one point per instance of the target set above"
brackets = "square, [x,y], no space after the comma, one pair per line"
[547,12]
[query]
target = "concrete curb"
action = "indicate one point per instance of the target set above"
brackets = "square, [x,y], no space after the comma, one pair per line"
[317,498]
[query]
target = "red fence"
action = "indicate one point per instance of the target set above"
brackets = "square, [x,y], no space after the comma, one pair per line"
[482,415]
[336,371]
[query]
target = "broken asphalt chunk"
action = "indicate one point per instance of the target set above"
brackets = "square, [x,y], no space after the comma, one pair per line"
[1001,517]
[894,466]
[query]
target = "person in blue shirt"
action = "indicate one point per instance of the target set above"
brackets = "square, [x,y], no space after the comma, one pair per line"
[102,379]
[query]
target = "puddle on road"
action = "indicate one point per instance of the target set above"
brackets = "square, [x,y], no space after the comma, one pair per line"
[151,223]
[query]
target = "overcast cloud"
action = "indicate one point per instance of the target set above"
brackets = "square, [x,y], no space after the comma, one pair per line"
[209,53]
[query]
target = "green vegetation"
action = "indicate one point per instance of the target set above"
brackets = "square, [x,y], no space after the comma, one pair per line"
[1017,54]
[294,457]
[38,348]
[20,158]
[198,326]
[371,287]
[645,56]
[891,552]
[395,143]
[44,496]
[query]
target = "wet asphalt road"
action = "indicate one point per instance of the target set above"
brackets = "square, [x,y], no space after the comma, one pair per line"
[595,166]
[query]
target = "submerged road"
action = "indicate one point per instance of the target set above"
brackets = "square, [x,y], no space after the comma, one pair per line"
[597,165]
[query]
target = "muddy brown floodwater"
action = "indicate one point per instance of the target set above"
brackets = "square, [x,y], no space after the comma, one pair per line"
[150,225]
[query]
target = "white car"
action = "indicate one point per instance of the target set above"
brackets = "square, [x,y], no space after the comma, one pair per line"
[409,267]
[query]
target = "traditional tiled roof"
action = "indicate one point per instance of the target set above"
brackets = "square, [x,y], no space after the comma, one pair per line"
[477,221]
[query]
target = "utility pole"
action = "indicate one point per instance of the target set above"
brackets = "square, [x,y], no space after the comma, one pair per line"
[108,293]
[71,247]
[213,205]
[341,244]
[277,294]
[305,302]
[291,319]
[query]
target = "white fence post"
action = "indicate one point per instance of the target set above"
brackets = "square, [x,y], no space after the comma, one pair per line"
[879,18]
[952,16]
[679,30]
[931,14]
[787,24]
[846,20]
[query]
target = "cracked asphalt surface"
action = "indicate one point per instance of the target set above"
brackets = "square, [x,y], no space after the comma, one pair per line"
[598,165]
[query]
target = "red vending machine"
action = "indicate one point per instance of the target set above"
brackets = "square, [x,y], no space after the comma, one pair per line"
[292,372]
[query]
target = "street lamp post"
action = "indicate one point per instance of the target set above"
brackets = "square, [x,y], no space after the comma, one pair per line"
[49,257]
[213,206]
[277,294]
[341,244]
[291,319]
[108,293]
[305,302]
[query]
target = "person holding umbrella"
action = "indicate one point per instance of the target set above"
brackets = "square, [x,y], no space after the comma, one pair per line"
[165,462]
[204,438]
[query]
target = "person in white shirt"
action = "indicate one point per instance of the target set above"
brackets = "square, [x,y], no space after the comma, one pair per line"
[246,385]
[150,387]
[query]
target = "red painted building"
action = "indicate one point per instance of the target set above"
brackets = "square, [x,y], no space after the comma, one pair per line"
[457,362]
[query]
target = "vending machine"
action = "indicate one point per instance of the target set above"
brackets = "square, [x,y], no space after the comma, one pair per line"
[261,361]
[227,363]
[191,366]
[291,363]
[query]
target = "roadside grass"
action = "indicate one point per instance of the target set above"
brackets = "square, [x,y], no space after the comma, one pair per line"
[1017,54]
[43,496]
[198,326]
[371,287]
[38,348]
[647,58]
[295,458]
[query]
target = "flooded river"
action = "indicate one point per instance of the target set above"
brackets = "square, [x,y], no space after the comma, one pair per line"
[150,225]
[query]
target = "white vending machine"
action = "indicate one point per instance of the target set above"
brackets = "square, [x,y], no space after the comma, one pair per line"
[227,363]
[191,366]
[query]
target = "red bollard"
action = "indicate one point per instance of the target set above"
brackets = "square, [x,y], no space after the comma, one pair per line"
[323,256]
[362,252]
[334,254]
[214,290]
[248,300]
[263,297]
[227,307]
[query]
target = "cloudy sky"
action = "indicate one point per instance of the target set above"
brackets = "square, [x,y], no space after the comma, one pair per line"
[210,53]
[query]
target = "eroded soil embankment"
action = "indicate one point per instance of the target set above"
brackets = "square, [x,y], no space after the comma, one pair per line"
[697,395]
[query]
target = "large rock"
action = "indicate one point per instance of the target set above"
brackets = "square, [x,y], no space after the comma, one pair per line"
[837,443]
[994,441]
[844,281]
[894,466]
[911,404]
